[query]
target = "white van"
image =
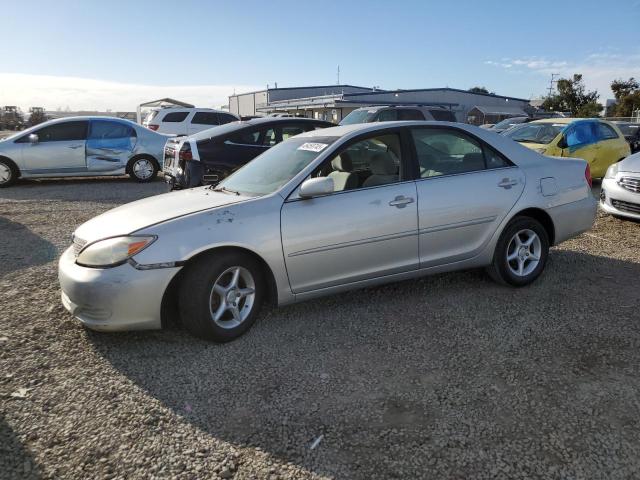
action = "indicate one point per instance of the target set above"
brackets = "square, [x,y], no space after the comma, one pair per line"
[186,121]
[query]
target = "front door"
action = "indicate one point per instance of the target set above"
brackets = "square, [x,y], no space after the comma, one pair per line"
[60,149]
[367,228]
[465,191]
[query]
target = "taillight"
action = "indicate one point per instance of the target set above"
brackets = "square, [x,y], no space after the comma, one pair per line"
[184,155]
[154,127]
[587,175]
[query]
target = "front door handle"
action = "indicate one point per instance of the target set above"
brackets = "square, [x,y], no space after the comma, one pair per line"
[400,201]
[507,183]
[74,146]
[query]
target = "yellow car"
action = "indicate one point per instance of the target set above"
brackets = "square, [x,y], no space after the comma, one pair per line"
[597,141]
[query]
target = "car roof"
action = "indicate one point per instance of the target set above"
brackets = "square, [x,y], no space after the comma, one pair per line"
[354,128]
[232,127]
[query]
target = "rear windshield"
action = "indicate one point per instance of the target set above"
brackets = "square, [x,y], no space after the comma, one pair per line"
[220,130]
[151,116]
[535,132]
[358,116]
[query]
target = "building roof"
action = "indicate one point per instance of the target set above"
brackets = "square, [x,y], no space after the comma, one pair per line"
[501,110]
[166,101]
[336,86]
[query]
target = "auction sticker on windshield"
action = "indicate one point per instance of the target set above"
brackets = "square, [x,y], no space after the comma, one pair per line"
[313,147]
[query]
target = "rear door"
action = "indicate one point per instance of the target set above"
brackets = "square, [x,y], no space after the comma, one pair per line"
[60,148]
[612,148]
[465,189]
[109,145]
[245,145]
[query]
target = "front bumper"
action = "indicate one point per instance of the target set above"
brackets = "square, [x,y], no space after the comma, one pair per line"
[113,299]
[619,201]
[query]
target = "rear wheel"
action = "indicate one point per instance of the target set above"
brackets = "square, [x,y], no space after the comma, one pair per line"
[521,253]
[143,169]
[221,296]
[8,173]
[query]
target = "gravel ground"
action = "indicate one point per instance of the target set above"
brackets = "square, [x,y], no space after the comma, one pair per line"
[451,376]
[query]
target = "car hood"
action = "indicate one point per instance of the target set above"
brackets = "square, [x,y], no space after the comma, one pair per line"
[134,216]
[630,164]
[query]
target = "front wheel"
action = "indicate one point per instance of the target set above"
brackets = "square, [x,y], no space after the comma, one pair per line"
[221,295]
[521,253]
[143,169]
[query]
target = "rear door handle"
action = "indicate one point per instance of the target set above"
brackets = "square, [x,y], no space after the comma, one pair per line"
[507,183]
[400,201]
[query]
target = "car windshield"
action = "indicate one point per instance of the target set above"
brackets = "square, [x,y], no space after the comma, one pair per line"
[275,167]
[535,132]
[358,116]
[508,122]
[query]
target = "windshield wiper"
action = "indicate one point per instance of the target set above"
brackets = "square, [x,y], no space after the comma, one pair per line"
[226,190]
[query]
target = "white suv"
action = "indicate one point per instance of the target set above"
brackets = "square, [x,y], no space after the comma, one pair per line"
[186,121]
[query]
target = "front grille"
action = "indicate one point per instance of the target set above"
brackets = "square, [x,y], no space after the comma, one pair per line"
[630,183]
[626,206]
[78,244]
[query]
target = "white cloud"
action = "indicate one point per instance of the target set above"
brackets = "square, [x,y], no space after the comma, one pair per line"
[598,69]
[52,92]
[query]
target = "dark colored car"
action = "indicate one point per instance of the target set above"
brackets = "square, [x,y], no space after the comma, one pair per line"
[391,113]
[631,132]
[211,155]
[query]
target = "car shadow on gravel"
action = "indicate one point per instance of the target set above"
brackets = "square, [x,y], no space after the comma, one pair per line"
[15,460]
[446,376]
[85,189]
[34,250]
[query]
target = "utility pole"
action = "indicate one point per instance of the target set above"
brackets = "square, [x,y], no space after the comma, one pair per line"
[553,80]
[338,75]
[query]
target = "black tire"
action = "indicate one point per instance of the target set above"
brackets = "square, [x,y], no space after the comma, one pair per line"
[196,290]
[136,174]
[500,269]
[13,173]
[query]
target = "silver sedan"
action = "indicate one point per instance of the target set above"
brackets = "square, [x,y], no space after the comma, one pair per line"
[82,146]
[326,211]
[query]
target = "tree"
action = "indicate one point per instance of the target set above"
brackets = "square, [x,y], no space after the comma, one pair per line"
[572,96]
[480,90]
[627,93]
[37,116]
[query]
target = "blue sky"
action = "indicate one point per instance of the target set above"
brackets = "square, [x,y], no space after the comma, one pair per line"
[92,54]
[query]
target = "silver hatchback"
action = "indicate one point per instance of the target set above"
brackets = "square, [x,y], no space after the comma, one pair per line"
[323,212]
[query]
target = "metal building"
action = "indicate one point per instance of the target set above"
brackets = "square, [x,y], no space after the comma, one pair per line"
[334,102]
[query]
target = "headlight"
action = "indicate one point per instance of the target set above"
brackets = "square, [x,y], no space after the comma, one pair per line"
[611,171]
[113,251]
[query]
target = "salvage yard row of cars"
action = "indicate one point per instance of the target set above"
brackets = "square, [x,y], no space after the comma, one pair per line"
[289,209]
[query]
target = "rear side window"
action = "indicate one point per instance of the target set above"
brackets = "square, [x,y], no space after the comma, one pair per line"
[206,118]
[107,134]
[443,115]
[175,117]
[62,132]
[289,131]
[226,118]
[245,137]
[605,132]
[410,114]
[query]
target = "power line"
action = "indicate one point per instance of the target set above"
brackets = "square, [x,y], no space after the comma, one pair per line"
[553,80]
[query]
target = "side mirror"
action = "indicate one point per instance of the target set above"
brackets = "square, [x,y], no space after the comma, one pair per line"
[314,187]
[562,143]
[33,138]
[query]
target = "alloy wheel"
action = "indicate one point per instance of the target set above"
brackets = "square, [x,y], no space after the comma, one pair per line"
[232,297]
[524,252]
[5,173]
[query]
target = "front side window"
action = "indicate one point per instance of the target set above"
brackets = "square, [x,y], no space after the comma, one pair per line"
[367,163]
[581,133]
[63,132]
[389,115]
[449,152]
[175,117]
[410,114]
[205,118]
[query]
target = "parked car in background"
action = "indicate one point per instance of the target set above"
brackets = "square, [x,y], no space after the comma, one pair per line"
[631,132]
[211,155]
[620,189]
[82,146]
[508,123]
[322,213]
[597,141]
[390,113]
[186,121]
